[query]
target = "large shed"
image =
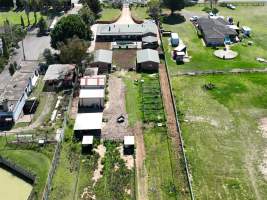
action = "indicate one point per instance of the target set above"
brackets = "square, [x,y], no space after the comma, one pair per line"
[92,98]
[102,60]
[147,60]
[88,124]
[150,42]
[93,82]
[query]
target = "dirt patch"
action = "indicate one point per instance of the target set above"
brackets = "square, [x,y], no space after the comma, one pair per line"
[116,107]
[124,58]
[202,119]
[128,159]
[263,127]
[141,173]
[101,150]
[102,45]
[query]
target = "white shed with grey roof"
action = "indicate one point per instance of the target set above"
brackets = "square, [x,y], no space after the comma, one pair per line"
[102,60]
[147,60]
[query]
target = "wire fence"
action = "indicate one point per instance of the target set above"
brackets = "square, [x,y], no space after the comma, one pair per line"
[178,128]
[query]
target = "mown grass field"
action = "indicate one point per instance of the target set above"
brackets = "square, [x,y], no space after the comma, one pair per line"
[202,57]
[223,143]
[35,159]
[139,12]
[14,17]
[109,14]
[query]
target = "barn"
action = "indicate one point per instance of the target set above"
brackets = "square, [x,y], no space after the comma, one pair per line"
[147,60]
[102,61]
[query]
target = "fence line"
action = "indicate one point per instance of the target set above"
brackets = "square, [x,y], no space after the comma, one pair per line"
[236,3]
[178,127]
[56,156]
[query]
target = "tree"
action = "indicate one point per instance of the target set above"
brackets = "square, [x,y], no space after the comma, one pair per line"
[174,5]
[87,15]
[213,3]
[22,22]
[94,5]
[42,26]
[74,51]
[27,11]
[67,27]
[48,56]
[5,48]
[154,9]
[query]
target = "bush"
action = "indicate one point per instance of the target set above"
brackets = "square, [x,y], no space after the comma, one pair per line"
[215,11]
[206,9]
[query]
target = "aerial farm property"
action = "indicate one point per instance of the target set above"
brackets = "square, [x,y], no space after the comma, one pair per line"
[125,100]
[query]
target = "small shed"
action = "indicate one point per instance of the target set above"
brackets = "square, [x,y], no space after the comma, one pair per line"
[102,60]
[147,60]
[128,145]
[92,98]
[174,39]
[87,143]
[150,42]
[88,124]
[93,82]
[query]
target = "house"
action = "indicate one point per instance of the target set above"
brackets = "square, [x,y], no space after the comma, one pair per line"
[147,60]
[129,32]
[215,31]
[102,60]
[93,98]
[174,39]
[17,91]
[150,42]
[59,75]
[88,124]
[93,82]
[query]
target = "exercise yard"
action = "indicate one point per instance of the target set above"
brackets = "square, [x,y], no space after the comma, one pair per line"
[202,57]
[224,130]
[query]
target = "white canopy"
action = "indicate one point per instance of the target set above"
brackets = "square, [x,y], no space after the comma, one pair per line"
[87,139]
[88,121]
[92,93]
[128,140]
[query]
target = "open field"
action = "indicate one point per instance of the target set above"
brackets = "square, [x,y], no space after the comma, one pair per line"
[139,12]
[225,146]
[14,17]
[109,14]
[35,159]
[202,57]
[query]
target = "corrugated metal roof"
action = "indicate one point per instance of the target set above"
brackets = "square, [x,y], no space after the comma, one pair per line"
[149,39]
[58,71]
[146,55]
[103,55]
[88,121]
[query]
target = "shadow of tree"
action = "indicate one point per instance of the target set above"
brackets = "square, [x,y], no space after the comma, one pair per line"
[176,18]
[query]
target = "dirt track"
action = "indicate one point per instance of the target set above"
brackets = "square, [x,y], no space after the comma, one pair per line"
[141,174]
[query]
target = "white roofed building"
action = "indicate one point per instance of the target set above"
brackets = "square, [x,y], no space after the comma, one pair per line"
[92,98]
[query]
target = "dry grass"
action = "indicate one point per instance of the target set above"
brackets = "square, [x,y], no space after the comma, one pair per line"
[124,58]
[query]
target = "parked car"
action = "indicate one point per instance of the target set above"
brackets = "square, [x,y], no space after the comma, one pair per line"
[231,6]
[194,18]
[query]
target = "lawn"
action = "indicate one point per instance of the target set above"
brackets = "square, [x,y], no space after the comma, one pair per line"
[223,143]
[109,14]
[139,12]
[35,159]
[202,57]
[14,17]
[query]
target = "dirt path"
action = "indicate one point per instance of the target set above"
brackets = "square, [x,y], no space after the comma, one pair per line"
[125,17]
[142,183]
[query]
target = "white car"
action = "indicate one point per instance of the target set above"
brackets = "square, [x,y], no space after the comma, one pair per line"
[231,6]
[194,18]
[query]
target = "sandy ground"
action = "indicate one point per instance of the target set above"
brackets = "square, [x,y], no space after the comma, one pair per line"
[115,108]
[101,150]
[92,46]
[141,173]
[125,17]
[128,159]
[263,129]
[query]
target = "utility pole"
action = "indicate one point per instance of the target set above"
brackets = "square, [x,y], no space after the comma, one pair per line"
[22,44]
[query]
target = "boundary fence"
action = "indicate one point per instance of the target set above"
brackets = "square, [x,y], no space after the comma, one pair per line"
[56,156]
[178,127]
[236,3]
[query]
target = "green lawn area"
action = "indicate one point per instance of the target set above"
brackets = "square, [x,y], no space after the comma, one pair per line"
[109,14]
[14,17]
[223,143]
[35,159]
[139,13]
[203,58]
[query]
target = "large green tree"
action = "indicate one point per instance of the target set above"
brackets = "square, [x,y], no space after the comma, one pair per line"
[154,9]
[67,27]
[94,5]
[87,15]
[74,51]
[174,5]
